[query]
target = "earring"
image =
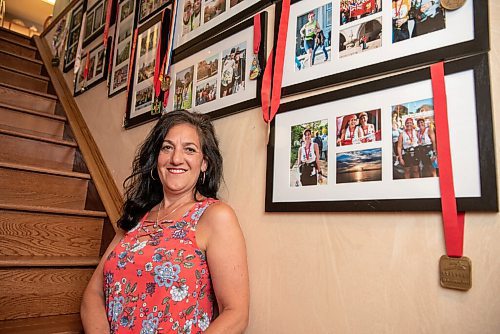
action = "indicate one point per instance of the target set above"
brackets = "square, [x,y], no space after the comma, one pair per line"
[203,178]
[151,172]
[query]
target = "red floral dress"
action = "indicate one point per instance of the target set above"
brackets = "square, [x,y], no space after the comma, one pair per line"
[156,280]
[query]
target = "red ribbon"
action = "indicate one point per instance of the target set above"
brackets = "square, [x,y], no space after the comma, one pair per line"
[453,222]
[108,21]
[256,34]
[280,59]
[265,93]
[86,68]
[132,56]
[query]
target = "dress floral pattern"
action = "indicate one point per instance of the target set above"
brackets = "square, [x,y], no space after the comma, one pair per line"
[156,280]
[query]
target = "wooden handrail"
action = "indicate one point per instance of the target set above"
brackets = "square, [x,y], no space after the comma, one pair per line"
[106,187]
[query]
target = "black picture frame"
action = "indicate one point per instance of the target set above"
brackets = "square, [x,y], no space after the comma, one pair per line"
[386,60]
[232,15]
[96,20]
[98,68]
[149,8]
[123,39]
[75,25]
[144,60]
[222,106]
[481,121]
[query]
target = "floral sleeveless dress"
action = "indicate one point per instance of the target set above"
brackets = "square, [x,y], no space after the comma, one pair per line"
[156,280]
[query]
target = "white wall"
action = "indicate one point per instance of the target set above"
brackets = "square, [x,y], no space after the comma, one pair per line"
[334,272]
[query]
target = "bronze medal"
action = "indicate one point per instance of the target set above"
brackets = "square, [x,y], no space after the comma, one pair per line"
[455,272]
[165,84]
[452,4]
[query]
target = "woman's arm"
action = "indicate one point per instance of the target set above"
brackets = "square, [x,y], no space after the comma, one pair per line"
[92,309]
[400,149]
[316,151]
[432,136]
[219,233]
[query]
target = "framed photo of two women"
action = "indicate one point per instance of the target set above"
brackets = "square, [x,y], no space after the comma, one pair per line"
[335,41]
[373,146]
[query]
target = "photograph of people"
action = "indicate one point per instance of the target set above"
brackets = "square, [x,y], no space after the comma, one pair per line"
[184,89]
[313,37]
[206,92]
[417,140]
[177,263]
[191,16]
[351,10]
[365,131]
[213,8]
[400,17]
[348,132]
[412,18]
[307,167]
[359,38]
[407,150]
[426,151]
[233,70]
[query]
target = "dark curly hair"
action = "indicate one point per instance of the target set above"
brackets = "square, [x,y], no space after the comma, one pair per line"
[142,192]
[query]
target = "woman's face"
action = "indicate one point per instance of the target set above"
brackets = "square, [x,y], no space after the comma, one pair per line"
[363,119]
[421,124]
[180,160]
[307,136]
[353,122]
[409,124]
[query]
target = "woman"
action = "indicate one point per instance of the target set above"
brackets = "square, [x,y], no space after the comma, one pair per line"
[308,33]
[349,132]
[426,148]
[308,161]
[407,144]
[365,132]
[400,17]
[177,245]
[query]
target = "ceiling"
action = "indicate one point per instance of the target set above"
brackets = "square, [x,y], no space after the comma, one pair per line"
[28,11]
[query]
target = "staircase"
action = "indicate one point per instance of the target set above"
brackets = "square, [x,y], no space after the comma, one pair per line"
[53,226]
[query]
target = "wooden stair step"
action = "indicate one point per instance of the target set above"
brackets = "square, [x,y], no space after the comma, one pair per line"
[59,324]
[23,79]
[48,261]
[37,292]
[57,211]
[26,149]
[19,62]
[32,122]
[42,234]
[15,36]
[19,48]
[28,187]
[27,99]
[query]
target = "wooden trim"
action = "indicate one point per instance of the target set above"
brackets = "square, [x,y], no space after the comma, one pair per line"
[53,210]
[15,33]
[106,187]
[59,17]
[48,261]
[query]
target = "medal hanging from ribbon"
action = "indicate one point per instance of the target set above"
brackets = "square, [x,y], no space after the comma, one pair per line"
[157,79]
[86,71]
[257,37]
[454,268]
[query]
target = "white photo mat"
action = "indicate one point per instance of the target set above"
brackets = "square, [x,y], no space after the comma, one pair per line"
[184,33]
[459,28]
[365,174]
